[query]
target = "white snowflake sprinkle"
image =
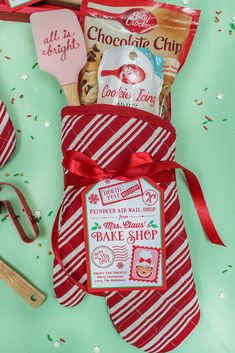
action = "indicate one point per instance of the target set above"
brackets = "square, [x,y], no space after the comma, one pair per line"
[57,344]
[185,2]
[233,18]
[220,96]
[222,295]
[24,76]
[96,349]
[47,123]
[37,214]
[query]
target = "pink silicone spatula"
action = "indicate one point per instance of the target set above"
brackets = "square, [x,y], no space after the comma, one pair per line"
[60,48]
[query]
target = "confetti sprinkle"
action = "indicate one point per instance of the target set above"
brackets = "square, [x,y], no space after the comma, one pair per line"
[50,213]
[12,101]
[39,245]
[37,215]
[57,344]
[206,88]
[220,96]
[49,337]
[225,119]
[7,57]
[232,26]
[61,91]
[218,12]
[96,349]
[24,76]
[224,271]
[34,65]
[208,118]
[217,20]
[49,253]
[205,128]
[32,137]
[21,96]
[222,295]
[47,123]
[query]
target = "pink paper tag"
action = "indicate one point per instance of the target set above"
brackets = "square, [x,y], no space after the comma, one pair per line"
[124,235]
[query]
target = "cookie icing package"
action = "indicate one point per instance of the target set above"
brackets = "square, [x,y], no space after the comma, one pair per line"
[132,77]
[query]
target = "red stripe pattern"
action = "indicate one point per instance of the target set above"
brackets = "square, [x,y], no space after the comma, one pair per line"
[154,321]
[7,135]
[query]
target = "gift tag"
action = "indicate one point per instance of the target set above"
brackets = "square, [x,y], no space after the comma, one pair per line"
[124,235]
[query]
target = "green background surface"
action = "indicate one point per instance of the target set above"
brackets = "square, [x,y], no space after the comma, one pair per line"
[209,153]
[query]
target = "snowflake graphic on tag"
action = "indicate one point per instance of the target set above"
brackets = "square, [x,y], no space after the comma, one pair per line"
[124,235]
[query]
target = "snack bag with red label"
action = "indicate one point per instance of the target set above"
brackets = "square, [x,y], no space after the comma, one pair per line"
[166,30]
[130,77]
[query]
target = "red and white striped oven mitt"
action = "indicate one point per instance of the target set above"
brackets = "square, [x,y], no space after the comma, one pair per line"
[152,320]
[7,147]
[7,135]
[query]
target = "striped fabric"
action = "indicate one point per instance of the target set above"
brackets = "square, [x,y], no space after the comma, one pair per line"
[7,135]
[154,321]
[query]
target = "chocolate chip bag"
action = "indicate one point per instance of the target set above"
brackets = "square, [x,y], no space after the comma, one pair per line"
[167,30]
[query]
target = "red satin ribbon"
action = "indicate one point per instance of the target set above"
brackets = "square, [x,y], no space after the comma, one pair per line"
[83,171]
[8,206]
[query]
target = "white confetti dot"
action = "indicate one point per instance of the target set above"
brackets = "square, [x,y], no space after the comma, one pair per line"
[233,18]
[24,76]
[96,349]
[220,96]
[222,295]
[47,123]
[37,214]
[185,2]
[57,344]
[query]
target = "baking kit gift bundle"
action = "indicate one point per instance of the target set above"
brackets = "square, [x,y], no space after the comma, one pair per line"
[119,232]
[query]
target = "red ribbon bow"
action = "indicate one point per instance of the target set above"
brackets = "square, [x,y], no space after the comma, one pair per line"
[148,260]
[83,171]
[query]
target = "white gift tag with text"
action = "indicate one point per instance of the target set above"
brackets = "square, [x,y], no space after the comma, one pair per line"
[124,235]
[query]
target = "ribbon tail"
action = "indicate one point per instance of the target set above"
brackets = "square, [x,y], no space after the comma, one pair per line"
[201,207]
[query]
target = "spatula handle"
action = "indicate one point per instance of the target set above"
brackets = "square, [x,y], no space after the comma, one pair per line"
[20,285]
[71,93]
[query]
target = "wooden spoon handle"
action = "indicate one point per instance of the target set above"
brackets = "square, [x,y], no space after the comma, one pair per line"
[20,285]
[71,93]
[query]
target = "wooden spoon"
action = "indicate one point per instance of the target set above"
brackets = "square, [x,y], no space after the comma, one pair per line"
[20,285]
